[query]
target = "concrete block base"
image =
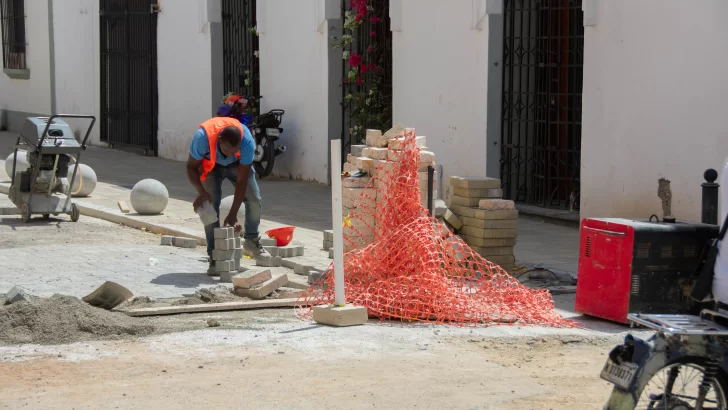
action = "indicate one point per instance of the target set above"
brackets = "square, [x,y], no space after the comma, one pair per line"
[348,315]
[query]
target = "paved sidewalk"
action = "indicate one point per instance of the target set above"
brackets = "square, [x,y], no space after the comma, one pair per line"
[306,205]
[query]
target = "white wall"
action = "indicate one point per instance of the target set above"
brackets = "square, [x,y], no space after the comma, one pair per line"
[655,104]
[440,83]
[31,95]
[184,73]
[294,77]
[77,63]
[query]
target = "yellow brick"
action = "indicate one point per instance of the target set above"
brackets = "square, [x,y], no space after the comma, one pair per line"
[490,224]
[463,201]
[488,233]
[478,193]
[475,182]
[482,213]
[375,153]
[486,243]
[496,204]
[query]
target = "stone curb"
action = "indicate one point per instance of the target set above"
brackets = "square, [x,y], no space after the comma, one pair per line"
[115,216]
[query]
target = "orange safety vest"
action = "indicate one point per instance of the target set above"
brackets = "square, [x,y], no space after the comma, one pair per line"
[212,128]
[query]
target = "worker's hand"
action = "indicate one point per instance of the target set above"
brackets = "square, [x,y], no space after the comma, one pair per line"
[204,196]
[238,228]
[231,220]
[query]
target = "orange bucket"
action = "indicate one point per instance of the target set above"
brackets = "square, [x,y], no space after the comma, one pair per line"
[283,236]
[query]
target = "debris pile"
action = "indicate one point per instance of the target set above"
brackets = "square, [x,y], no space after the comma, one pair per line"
[65,319]
[414,271]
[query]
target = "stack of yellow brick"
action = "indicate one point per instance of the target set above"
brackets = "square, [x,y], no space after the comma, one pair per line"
[489,223]
[377,158]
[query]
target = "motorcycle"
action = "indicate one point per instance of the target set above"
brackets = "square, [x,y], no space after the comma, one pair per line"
[683,366]
[266,130]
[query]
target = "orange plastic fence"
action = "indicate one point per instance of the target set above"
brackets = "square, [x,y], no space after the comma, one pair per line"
[417,271]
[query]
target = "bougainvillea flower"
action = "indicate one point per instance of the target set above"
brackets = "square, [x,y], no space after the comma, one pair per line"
[355,60]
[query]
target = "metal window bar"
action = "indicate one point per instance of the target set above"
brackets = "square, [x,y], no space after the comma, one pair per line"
[240,43]
[379,116]
[543,56]
[129,101]
[12,16]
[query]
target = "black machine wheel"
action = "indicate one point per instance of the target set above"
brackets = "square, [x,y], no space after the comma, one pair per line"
[265,166]
[75,213]
[687,376]
[25,213]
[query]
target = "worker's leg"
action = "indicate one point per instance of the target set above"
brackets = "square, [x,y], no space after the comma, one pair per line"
[253,206]
[213,185]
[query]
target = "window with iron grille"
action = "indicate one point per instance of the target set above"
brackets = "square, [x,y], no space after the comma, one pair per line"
[12,14]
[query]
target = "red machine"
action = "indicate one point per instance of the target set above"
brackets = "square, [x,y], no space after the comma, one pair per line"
[638,266]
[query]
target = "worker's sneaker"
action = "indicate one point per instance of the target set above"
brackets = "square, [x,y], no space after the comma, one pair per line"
[253,248]
[211,269]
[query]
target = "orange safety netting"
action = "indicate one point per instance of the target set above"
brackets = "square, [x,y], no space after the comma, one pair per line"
[416,270]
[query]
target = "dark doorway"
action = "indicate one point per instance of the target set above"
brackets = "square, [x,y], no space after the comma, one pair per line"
[128,40]
[543,57]
[241,69]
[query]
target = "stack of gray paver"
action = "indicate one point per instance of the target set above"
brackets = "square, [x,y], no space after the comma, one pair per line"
[276,254]
[227,253]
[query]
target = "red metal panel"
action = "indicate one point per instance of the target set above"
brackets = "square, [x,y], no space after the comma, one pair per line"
[605,269]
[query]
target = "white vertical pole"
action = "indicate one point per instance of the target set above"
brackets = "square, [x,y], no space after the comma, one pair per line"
[337,212]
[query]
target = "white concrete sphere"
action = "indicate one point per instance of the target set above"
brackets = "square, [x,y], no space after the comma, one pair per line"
[149,197]
[225,206]
[22,163]
[85,177]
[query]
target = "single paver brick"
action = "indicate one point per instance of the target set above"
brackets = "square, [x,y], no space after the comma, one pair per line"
[496,205]
[224,233]
[238,242]
[328,245]
[221,255]
[355,182]
[238,253]
[331,253]
[482,213]
[487,243]
[452,219]
[227,277]
[475,182]
[167,240]
[266,242]
[398,143]
[464,201]
[490,224]
[16,294]
[225,266]
[269,261]
[273,250]
[182,242]
[357,150]
[123,207]
[252,277]
[375,153]
[488,233]
[478,193]
[264,289]
[329,235]
[292,251]
[224,244]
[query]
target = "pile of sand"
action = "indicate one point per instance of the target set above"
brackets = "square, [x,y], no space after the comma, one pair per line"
[65,319]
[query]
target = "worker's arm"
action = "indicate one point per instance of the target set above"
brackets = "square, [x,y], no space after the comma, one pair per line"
[198,149]
[193,175]
[240,188]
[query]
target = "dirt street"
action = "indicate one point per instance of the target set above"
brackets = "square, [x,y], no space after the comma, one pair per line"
[269,359]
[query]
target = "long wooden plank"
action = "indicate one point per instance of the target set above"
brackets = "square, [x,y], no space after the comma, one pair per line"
[212,307]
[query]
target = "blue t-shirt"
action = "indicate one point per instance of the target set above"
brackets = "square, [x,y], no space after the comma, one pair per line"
[200,148]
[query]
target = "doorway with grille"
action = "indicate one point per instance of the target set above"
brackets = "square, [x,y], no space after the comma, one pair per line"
[543,56]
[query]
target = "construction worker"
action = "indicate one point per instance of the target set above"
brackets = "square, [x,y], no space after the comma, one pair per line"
[223,148]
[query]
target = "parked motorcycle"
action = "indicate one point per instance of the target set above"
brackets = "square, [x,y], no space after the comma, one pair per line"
[266,130]
[683,366]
